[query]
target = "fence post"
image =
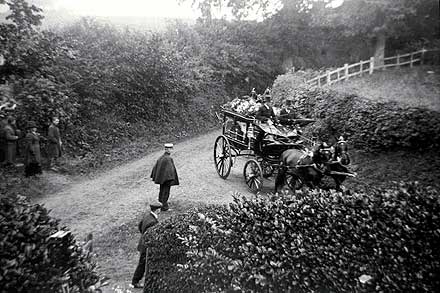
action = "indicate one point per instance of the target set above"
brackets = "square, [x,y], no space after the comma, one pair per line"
[319,81]
[362,69]
[422,56]
[346,71]
[328,78]
[339,75]
[371,65]
[411,60]
[398,60]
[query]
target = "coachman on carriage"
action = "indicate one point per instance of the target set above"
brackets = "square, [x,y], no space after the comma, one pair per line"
[275,149]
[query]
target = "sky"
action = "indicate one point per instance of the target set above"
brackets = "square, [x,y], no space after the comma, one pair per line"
[148,8]
[160,8]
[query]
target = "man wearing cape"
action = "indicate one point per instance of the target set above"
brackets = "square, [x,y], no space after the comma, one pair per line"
[164,173]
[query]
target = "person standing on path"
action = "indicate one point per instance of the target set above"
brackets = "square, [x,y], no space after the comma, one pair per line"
[3,123]
[32,155]
[148,220]
[11,135]
[164,173]
[54,147]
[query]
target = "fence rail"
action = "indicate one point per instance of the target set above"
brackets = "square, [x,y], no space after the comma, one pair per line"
[368,66]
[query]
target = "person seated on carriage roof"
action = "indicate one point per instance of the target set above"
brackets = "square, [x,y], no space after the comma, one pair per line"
[287,114]
[265,112]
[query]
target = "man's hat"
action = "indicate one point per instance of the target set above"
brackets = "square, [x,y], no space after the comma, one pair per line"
[168,145]
[155,206]
[31,124]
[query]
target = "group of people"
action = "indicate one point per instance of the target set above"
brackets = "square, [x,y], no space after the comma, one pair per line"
[265,112]
[266,115]
[11,138]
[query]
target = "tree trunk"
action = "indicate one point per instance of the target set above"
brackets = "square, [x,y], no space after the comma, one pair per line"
[379,50]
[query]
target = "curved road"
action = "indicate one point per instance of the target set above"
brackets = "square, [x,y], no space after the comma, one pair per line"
[115,198]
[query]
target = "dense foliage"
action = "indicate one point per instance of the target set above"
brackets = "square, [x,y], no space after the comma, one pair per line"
[111,85]
[366,124]
[378,240]
[30,261]
[166,250]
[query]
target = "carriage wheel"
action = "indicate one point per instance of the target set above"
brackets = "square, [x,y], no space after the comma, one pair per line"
[222,157]
[253,175]
[293,182]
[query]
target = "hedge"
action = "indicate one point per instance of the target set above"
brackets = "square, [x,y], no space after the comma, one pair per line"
[167,251]
[365,124]
[381,240]
[29,260]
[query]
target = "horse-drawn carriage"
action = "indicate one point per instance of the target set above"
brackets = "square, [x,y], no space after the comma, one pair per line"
[265,145]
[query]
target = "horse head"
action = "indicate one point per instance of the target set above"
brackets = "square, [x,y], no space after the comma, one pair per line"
[341,152]
[322,153]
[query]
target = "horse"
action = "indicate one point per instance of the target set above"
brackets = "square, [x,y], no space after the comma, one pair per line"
[303,166]
[341,152]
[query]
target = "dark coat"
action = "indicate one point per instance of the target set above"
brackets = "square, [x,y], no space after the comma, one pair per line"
[265,112]
[148,220]
[32,149]
[287,115]
[3,123]
[11,143]
[165,171]
[54,139]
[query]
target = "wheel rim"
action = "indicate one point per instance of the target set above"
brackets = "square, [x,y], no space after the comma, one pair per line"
[222,157]
[253,175]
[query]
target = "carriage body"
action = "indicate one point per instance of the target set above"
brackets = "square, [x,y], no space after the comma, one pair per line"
[239,138]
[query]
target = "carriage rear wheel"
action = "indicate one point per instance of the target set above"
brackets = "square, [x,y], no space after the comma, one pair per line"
[253,175]
[222,156]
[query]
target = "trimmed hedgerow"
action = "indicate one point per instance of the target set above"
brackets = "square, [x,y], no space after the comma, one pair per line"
[366,124]
[380,240]
[29,260]
[166,250]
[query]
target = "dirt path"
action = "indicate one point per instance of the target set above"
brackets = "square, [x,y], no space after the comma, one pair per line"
[107,200]
[117,197]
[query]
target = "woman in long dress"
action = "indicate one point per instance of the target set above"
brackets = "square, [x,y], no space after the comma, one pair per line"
[32,156]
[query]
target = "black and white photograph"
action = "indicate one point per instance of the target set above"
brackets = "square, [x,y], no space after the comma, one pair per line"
[219,146]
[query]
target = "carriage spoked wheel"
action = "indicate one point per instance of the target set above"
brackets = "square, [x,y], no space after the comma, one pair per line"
[253,175]
[222,156]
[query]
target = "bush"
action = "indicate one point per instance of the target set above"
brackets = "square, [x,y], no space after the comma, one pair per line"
[29,260]
[365,123]
[379,240]
[167,250]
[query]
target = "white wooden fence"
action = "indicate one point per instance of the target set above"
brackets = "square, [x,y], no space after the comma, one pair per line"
[367,67]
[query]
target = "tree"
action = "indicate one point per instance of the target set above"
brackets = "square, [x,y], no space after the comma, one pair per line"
[381,20]
[377,20]
[24,15]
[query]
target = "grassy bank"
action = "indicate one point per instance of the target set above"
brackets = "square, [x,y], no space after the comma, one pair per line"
[415,87]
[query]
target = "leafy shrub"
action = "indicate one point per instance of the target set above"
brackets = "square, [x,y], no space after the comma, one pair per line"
[366,124]
[32,262]
[166,250]
[379,240]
